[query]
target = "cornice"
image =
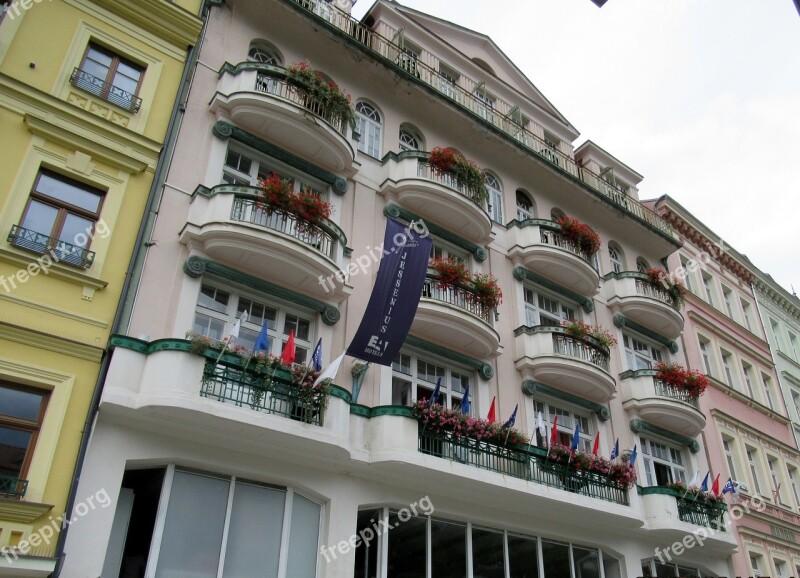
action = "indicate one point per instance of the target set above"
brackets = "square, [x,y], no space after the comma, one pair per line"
[159,17]
[22,511]
[778,298]
[50,342]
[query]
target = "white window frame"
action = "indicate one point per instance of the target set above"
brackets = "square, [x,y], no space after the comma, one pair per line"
[616,258]
[752,461]
[791,473]
[747,370]
[746,309]
[522,212]
[707,354]
[409,140]
[727,367]
[728,444]
[540,306]
[495,189]
[641,353]
[261,166]
[766,381]
[454,377]
[675,462]
[709,290]
[727,293]
[567,418]
[369,125]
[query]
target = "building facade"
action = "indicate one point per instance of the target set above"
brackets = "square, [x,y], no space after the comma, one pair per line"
[293,489]
[86,95]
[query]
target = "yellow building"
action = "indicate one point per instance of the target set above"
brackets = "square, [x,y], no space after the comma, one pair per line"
[87,98]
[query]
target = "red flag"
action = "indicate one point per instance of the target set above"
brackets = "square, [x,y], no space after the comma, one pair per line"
[492,417]
[596,445]
[554,432]
[287,355]
[715,486]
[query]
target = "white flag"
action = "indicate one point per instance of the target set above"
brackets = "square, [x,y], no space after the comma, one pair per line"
[238,324]
[693,482]
[541,427]
[330,371]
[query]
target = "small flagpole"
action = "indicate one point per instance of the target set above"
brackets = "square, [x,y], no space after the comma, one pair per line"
[508,433]
[224,347]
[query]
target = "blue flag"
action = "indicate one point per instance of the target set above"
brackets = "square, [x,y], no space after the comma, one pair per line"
[395,295]
[316,358]
[435,393]
[615,451]
[465,400]
[262,341]
[513,419]
[704,485]
[729,487]
[632,459]
[576,437]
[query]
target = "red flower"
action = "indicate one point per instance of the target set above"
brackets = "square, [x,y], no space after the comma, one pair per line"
[579,234]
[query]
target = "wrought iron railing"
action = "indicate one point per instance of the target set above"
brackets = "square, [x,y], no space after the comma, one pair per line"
[59,251]
[520,463]
[13,487]
[580,349]
[425,171]
[467,93]
[458,296]
[672,392]
[105,90]
[261,390]
[649,290]
[553,237]
[701,513]
[251,211]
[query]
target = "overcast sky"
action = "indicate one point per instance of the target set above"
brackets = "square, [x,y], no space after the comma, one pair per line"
[702,97]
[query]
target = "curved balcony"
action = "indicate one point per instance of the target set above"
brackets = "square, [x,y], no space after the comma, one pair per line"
[578,366]
[661,404]
[440,198]
[257,98]
[449,317]
[539,246]
[228,224]
[632,294]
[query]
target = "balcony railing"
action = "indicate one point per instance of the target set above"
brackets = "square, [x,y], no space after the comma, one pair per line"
[105,90]
[701,513]
[13,487]
[466,93]
[60,251]
[579,349]
[553,237]
[246,210]
[261,390]
[531,465]
[458,296]
[424,171]
[649,290]
[666,390]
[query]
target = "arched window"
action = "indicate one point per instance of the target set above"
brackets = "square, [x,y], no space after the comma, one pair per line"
[641,265]
[368,125]
[262,51]
[616,257]
[525,208]
[495,197]
[410,139]
[556,213]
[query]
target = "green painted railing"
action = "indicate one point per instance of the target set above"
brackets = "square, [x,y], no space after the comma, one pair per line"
[13,487]
[701,513]
[527,464]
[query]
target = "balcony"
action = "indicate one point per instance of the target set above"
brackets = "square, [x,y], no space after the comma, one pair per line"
[631,294]
[105,90]
[257,98]
[577,366]
[59,251]
[440,198]
[13,487]
[448,316]
[538,245]
[661,404]
[229,225]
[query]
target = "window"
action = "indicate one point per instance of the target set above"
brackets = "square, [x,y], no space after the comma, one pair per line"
[409,140]
[263,52]
[641,265]
[727,297]
[218,309]
[616,258]
[776,332]
[780,569]
[441,250]
[60,216]
[727,446]
[793,346]
[796,402]
[544,309]
[728,368]
[448,80]
[772,464]
[688,274]
[244,168]
[705,352]
[524,206]
[495,197]
[415,377]
[110,77]
[22,411]
[792,472]
[368,125]
[567,419]
[748,379]
[752,458]
[707,286]
[755,564]
[663,463]
[656,569]
[640,354]
[746,314]
[407,60]
[485,107]
[767,382]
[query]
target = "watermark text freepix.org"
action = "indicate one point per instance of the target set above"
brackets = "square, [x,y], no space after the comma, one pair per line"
[15,7]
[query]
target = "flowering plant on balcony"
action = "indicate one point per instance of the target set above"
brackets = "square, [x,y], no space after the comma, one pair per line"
[448,161]
[695,494]
[660,279]
[317,89]
[621,473]
[439,419]
[691,381]
[486,291]
[582,330]
[450,272]
[277,194]
[579,234]
[311,208]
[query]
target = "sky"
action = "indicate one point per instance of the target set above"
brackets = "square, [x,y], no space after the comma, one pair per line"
[701,97]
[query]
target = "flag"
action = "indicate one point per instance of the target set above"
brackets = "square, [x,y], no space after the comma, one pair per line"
[435,394]
[693,482]
[542,429]
[575,437]
[729,487]
[596,446]
[316,357]
[238,325]
[632,459]
[615,451]
[492,417]
[288,353]
[262,341]
[554,432]
[465,401]
[715,486]
[330,371]
[704,485]
[512,420]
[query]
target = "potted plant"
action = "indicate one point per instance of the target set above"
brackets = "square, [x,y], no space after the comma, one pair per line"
[581,330]
[451,273]
[321,95]
[448,161]
[660,279]
[690,381]
[485,291]
[276,195]
[579,234]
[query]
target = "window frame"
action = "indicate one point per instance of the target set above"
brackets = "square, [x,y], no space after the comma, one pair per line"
[451,396]
[300,181]
[535,309]
[113,68]
[34,427]
[369,125]
[655,353]
[566,430]
[495,198]
[676,471]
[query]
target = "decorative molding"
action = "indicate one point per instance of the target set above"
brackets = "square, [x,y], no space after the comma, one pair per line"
[164,19]
[640,425]
[530,387]
[485,370]
[523,273]
[22,511]
[224,130]
[55,343]
[53,311]
[623,322]
[198,266]
[57,270]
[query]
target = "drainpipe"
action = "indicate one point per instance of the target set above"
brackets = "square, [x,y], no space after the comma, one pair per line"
[133,273]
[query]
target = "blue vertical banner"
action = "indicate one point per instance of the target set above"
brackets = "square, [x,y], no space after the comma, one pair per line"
[395,296]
